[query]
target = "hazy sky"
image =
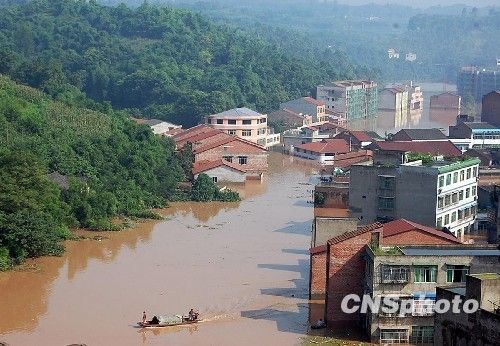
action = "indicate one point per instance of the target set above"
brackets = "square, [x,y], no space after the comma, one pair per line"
[426,3]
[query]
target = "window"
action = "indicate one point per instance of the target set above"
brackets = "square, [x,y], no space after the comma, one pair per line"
[462,175]
[242,160]
[460,195]
[386,203]
[446,219]
[386,182]
[228,158]
[448,179]
[214,179]
[455,177]
[467,192]
[220,121]
[454,216]
[456,273]
[474,172]
[447,200]
[231,121]
[247,122]
[209,121]
[422,335]
[231,132]
[469,172]
[460,215]
[388,311]
[246,133]
[439,222]
[393,336]
[474,190]
[425,274]
[441,181]
[391,274]
[454,198]
[440,202]
[262,120]
[423,307]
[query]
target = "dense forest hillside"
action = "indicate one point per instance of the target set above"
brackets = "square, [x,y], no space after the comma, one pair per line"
[159,61]
[63,166]
[443,38]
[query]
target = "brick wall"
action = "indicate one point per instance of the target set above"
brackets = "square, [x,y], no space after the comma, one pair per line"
[317,283]
[346,272]
[256,157]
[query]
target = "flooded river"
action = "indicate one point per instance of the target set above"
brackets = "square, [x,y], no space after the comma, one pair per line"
[243,265]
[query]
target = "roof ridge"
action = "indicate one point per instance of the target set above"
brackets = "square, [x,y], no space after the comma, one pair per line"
[352,234]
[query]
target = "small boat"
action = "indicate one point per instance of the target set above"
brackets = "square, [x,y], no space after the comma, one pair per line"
[169,320]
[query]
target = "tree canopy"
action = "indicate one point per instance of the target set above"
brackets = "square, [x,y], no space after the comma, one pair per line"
[157,61]
[62,166]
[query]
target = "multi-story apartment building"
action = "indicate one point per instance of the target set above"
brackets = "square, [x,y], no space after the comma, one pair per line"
[411,274]
[477,82]
[444,108]
[467,136]
[490,110]
[354,101]
[242,122]
[415,104]
[393,108]
[307,106]
[288,119]
[441,194]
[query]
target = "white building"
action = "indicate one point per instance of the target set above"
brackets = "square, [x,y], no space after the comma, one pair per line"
[474,135]
[391,52]
[159,127]
[411,57]
[324,152]
[441,194]
[456,206]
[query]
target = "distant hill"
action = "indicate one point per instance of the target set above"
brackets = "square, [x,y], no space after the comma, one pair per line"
[443,37]
[157,61]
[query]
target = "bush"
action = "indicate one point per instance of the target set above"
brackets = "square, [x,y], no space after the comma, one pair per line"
[5,261]
[204,190]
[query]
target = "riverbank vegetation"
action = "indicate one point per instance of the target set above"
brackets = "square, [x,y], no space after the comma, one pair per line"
[62,166]
[204,190]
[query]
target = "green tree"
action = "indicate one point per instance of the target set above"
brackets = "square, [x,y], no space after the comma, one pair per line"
[203,189]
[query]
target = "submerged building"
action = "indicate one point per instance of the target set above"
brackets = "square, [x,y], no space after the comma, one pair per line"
[354,101]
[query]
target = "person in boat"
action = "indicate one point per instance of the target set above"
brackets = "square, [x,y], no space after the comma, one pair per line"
[191,315]
[144,317]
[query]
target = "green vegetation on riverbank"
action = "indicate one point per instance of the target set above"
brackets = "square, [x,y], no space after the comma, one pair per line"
[63,166]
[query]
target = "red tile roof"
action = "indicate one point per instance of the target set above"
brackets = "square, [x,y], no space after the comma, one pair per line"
[223,141]
[362,136]
[326,146]
[203,166]
[403,225]
[352,234]
[445,148]
[192,131]
[197,137]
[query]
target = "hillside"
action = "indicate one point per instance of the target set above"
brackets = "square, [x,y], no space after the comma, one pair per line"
[62,166]
[443,37]
[159,61]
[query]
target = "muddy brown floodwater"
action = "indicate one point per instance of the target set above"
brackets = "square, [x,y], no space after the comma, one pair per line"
[243,265]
